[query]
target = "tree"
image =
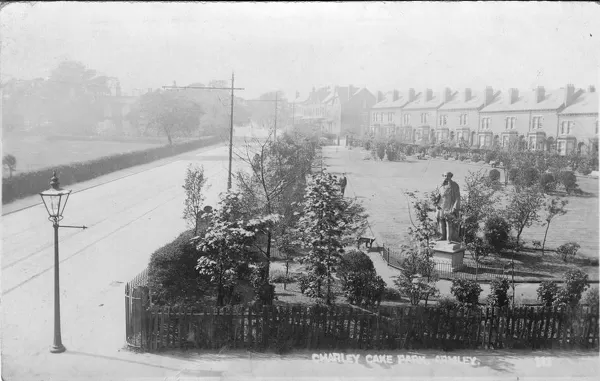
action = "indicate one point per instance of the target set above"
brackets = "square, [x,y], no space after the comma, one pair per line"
[553,208]
[275,183]
[194,197]
[10,162]
[229,240]
[171,113]
[73,95]
[321,230]
[567,250]
[478,198]
[522,212]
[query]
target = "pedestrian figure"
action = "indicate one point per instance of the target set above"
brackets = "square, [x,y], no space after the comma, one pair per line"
[343,183]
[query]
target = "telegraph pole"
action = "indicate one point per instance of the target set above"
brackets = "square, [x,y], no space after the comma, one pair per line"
[276,100]
[232,88]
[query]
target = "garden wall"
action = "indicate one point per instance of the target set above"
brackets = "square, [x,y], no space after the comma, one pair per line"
[30,183]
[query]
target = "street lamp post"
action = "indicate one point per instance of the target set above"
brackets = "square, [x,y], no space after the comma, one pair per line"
[55,200]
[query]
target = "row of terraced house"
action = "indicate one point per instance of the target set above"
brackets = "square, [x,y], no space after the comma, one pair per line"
[564,120]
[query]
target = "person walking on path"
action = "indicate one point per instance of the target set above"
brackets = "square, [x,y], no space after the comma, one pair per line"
[343,183]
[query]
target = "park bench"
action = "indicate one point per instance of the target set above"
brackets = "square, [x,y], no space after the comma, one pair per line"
[368,241]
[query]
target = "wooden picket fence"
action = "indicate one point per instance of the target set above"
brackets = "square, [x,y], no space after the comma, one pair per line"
[317,327]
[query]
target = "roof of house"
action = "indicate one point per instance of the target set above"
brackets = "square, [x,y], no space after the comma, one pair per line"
[586,103]
[419,103]
[317,96]
[389,102]
[457,101]
[553,99]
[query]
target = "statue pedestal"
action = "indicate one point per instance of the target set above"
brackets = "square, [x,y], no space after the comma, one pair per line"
[449,255]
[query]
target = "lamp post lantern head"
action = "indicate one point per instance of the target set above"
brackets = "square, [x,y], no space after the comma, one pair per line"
[55,199]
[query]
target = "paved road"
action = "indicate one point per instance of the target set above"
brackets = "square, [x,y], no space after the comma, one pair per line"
[128,219]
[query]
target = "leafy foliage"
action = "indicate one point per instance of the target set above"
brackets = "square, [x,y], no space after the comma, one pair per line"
[447,302]
[327,219]
[553,208]
[172,277]
[494,175]
[466,291]
[194,182]
[567,250]
[568,180]
[10,162]
[547,182]
[496,232]
[498,296]
[478,198]
[591,298]
[546,292]
[576,282]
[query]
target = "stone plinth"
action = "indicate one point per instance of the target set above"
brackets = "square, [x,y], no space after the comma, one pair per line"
[449,255]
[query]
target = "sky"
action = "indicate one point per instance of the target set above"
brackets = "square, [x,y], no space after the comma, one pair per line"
[295,46]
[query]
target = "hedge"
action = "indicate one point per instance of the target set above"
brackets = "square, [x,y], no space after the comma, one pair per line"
[30,183]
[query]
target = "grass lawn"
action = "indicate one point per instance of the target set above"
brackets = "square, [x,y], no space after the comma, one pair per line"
[380,185]
[36,152]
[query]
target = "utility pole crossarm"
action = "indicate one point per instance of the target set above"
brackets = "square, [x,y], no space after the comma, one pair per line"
[202,88]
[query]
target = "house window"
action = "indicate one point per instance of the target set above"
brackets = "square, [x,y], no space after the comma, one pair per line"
[567,126]
[390,116]
[536,122]
[511,122]
[406,119]
[532,142]
[596,126]
[482,140]
[443,120]
[374,117]
[463,121]
[424,118]
[485,124]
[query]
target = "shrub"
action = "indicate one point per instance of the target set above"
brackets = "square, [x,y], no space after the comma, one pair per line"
[367,144]
[30,183]
[462,157]
[567,250]
[409,150]
[447,302]
[496,232]
[547,182]
[591,298]
[568,180]
[528,177]
[380,149]
[498,296]
[391,151]
[476,158]
[172,274]
[278,276]
[466,291]
[391,294]
[585,170]
[546,292]
[494,175]
[10,162]
[576,282]
[354,261]
[446,156]
[489,157]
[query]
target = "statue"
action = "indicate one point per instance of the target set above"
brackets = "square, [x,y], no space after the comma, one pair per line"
[448,205]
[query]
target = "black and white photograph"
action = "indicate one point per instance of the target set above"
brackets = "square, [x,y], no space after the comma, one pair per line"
[299,191]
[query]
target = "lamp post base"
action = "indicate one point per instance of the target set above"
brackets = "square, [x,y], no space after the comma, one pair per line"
[57,348]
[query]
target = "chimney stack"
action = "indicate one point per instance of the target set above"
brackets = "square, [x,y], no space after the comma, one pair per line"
[569,93]
[514,95]
[428,94]
[592,89]
[447,95]
[379,96]
[396,95]
[351,91]
[489,95]
[540,94]
[467,94]
[411,94]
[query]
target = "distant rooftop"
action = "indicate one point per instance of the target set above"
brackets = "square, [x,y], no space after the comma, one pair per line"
[586,103]
[527,101]
[420,103]
[457,101]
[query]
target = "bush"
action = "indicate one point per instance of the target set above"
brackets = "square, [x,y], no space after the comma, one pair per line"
[391,294]
[568,180]
[546,292]
[364,289]
[567,250]
[528,177]
[576,282]
[496,232]
[498,296]
[476,158]
[380,150]
[354,261]
[585,170]
[409,150]
[462,157]
[278,276]
[367,145]
[591,298]
[447,302]
[547,182]
[494,175]
[466,291]
[30,183]
[446,156]
[172,274]
[489,157]
[391,151]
